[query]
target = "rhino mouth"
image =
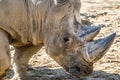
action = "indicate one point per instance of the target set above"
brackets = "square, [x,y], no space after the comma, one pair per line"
[79,72]
[95,49]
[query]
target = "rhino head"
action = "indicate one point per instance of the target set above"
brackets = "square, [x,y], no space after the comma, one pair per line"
[69,42]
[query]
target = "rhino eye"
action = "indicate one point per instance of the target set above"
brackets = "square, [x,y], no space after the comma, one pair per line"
[66,39]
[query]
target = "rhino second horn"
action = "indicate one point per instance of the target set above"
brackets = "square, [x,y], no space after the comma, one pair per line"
[88,33]
[96,49]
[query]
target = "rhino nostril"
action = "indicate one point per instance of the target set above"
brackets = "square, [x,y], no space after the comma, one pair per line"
[77,68]
[74,70]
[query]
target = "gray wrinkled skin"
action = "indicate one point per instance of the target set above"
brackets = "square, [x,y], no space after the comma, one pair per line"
[30,24]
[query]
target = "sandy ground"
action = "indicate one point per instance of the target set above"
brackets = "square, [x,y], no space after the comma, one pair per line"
[99,12]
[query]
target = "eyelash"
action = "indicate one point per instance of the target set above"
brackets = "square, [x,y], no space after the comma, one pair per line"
[62,2]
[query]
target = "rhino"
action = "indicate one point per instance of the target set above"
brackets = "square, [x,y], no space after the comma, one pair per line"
[28,25]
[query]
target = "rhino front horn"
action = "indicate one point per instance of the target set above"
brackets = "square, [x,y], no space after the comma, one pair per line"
[96,49]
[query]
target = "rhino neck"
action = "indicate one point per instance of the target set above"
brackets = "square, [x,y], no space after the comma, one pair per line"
[39,10]
[37,15]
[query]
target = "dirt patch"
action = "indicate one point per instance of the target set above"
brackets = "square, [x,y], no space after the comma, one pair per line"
[99,12]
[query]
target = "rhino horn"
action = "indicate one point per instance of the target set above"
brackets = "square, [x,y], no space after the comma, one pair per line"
[88,33]
[96,49]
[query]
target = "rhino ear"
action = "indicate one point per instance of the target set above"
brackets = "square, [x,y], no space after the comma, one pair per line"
[96,49]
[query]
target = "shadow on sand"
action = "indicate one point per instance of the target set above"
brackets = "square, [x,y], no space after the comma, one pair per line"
[45,73]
